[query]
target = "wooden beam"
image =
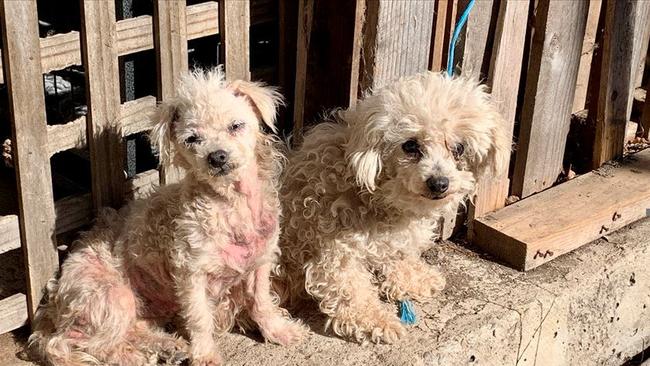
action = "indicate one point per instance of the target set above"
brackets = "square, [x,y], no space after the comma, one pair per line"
[305,24]
[142,184]
[613,107]
[645,116]
[588,47]
[99,53]
[397,37]
[550,87]
[135,115]
[473,50]
[503,79]
[22,68]
[9,233]
[542,227]
[73,212]
[170,38]
[133,35]
[440,25]
[71,135]
[234,24]
[13,312]
[328,53]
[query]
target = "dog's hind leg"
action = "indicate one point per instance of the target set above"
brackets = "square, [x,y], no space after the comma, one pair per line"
[346,294]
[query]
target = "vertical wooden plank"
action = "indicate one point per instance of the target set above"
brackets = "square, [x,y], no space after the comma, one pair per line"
[99,55]
[436,63]
[504,77]
[170,44]
[288,31]
[612,111]
[473,49]
[397,37]
[639,47]
[588,48]
[305,24]
[552,73]
[22,72]
[451,19]
[645,116]
[234,24]
[329,43]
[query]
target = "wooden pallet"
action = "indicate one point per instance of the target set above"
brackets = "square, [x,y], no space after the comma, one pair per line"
[540,228]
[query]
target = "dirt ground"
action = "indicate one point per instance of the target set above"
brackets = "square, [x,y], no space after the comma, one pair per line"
[463,326]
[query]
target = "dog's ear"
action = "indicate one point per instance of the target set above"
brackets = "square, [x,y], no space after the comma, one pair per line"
[164,117]
[499,145]
[362,150]
[264,99]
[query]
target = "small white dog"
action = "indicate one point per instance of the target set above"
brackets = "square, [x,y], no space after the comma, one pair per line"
[202,248]
[363,195]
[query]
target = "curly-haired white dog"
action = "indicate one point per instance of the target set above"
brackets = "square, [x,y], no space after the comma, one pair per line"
[363,195]
[202,248]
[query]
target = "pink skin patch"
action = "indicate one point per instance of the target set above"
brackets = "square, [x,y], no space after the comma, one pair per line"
[246,243]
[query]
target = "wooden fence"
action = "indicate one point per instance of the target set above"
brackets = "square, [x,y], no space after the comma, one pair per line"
[544,63]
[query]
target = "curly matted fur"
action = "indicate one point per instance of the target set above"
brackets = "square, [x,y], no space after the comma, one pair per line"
[201,248]
[363,194]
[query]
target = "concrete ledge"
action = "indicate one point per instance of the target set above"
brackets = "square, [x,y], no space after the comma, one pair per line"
[590,307]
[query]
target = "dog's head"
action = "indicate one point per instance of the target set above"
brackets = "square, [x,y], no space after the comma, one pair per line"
[424,140]
[211,128]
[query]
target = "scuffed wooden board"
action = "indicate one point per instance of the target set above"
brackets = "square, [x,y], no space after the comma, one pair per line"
[13,312]
[537,229]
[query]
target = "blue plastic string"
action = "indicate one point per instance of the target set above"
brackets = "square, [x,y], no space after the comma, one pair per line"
[407,312]
[454,39]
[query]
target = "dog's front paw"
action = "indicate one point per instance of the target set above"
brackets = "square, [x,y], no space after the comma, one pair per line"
[173,352]
[414,281]
[285,332]
[375,326]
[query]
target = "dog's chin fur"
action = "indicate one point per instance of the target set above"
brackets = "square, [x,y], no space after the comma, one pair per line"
[357,208]
[201,249]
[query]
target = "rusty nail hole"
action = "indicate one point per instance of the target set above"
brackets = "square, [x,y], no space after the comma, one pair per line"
[616,216]
[603,229]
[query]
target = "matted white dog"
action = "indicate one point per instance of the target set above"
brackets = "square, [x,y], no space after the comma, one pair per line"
[363,194]
[201,249]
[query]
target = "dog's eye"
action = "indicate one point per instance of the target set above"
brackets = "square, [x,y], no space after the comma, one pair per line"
[192,139]
[458,150]
[411,147]
[236,126]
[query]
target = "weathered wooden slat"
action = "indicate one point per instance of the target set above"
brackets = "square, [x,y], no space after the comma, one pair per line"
[305,25]
[440,25]
[142,184]
[76,211]
[133,34]
[73,212]
[234,25]
[170,38]
[588,48]
[71,135]
[645,117]
[550,87]
[613,107]
[542,227]
[397,37]
[22,63]
[472,51]
[9,233]
[639,47]
[13,312]
[503,78]
[99,53]
[135,115]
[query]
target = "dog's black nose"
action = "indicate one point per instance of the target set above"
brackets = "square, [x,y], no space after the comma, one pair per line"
[438,184]
[218,158]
